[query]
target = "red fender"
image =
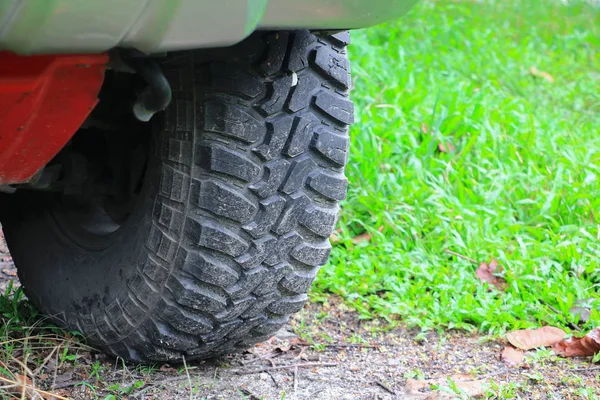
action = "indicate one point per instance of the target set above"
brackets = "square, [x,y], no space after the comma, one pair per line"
[43,102]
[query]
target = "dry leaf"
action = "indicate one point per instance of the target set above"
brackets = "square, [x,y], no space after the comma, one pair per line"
[487,273]
[586,346]
[527,339]
[167,368]
[446,148]
[472,387]
[583,313]
[363,237]
[541,74]
[512,357]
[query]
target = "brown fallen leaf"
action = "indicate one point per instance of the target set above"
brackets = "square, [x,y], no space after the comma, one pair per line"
[512,356]
[582,312]
[167,368]
[363,237]
[487,273]
[585,346]
[541,74]
[473,387]
[527,339]
[446,148]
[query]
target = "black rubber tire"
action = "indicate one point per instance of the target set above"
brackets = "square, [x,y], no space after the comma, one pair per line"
[240,198]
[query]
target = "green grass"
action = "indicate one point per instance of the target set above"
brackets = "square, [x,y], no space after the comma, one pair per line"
[522,186]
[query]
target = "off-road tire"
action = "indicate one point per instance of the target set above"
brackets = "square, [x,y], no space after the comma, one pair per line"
[240,198]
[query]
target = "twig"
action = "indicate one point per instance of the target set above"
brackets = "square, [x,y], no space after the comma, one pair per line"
[386,388]
[571,325]
[360,346]
[295,379]
[187,373]
[247,392]
[33,388]
[161,382]
[55,367]
[585,369]
[258,371]
[461,256]
[273,379]
[63,385]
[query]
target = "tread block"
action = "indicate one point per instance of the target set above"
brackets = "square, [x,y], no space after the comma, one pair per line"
[184,321]
[302,131]
[341,39]
[222,330]
[161,245]
[269,211]
[293,209]
[277,49]
[288,305]
[232,121]
[320,221]
[259,304]
[332,146]
[298,283]
[155,272]
[267,328]
[300,97]
[174,185]
[133,310]
[312,255]
[210,234]
[331,187]
[297,175]
[168,218]
[236,309]
[282,248]
[336,107]
[276,274]
[184,115]
[222,200]
[177,151]
[162,333]
[142,291]
[232,79]
[277,134]
[280,90]
[259,250]
[196,296]
[248,282]
[334,66]
[210,270]
[244,331]
[220,159]
[298,58]
[105,329]
[274,174]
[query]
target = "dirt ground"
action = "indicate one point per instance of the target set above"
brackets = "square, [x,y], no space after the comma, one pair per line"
[327,352]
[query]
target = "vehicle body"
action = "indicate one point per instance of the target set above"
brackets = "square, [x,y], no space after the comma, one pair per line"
[191,232]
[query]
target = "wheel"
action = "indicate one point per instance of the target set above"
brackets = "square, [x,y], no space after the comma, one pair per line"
[206,228]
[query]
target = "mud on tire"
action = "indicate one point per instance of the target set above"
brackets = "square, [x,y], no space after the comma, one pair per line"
[239,200]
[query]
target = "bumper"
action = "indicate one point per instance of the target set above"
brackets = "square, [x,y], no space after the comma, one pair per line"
[68,26]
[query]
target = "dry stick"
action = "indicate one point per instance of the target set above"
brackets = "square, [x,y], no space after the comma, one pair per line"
[585,369]
[461,256]
[36,390]
[161,382]
[386,388]
[257,371]
[571,325]
[188,378]
[273,379]
[295,379]
[55,367]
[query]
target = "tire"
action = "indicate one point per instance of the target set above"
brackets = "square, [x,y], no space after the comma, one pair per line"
[239,199]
